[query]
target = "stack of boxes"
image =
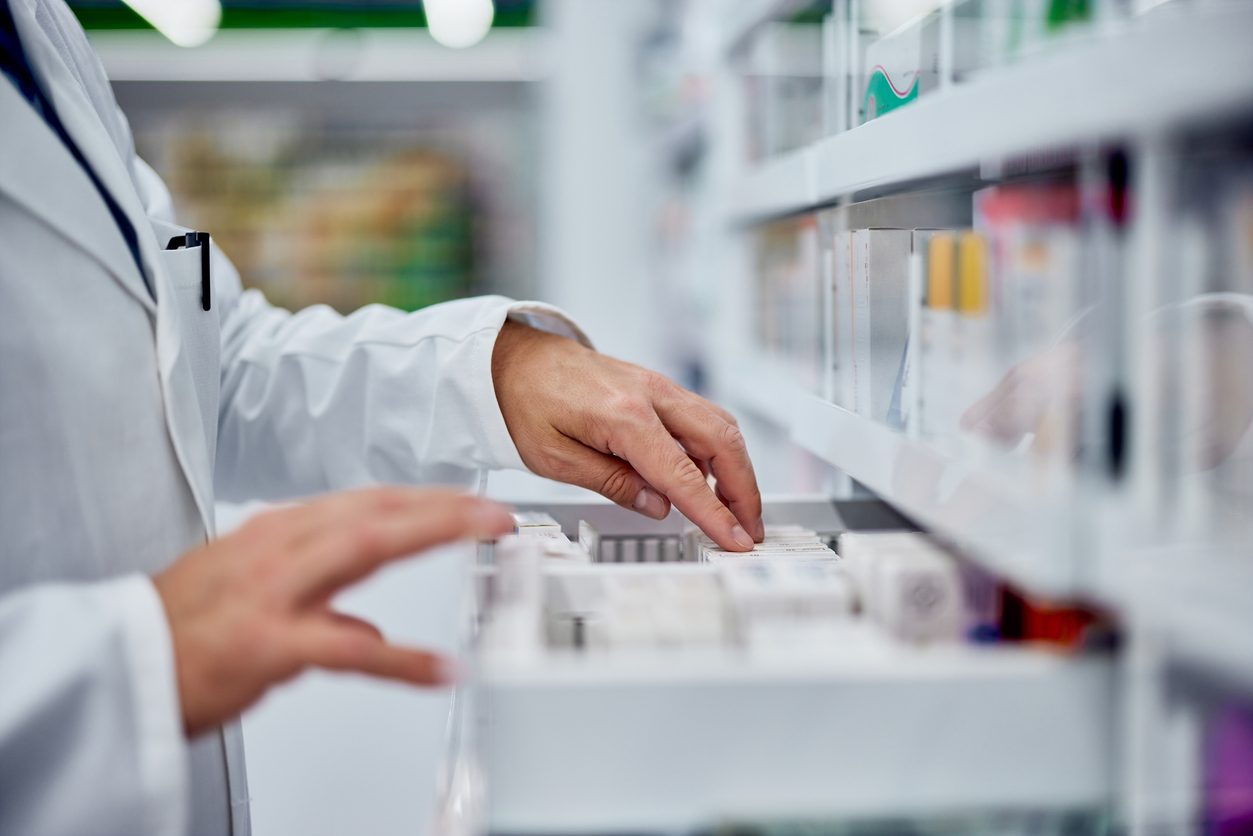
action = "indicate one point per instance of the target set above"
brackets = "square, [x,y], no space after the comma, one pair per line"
[906,585]
[791,593]
[547,533]
[787,593]
[791,541]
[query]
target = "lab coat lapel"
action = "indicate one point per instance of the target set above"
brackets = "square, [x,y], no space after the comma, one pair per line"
[94,140]
[36,171]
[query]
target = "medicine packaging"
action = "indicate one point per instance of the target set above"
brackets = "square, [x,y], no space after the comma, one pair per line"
[515,624]
[906,584]
[536,524]
[782,602]
[901,65]
[880,286]
[792,541]
[668,609]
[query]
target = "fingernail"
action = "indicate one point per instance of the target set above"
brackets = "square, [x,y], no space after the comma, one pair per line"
[740,536]
[760,530]
[649,503]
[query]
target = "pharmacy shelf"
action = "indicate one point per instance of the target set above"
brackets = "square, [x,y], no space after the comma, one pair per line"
[515,55]
[785,184]
[979,501]
[983,503]
[1168,71]
[674,740]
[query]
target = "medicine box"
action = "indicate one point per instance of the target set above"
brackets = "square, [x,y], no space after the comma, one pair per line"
[905,584]
[775,601]
[536,524]
[901,66]
[880,314]
[790,541]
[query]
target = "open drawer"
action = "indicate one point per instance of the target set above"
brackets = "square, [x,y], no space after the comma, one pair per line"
[856,727]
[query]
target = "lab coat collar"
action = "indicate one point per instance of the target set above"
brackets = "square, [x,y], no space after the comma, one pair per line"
[63,211]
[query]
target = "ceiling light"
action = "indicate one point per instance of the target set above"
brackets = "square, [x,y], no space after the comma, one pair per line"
[459,23]
[185,22]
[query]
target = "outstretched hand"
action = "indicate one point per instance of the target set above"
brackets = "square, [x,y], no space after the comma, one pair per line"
[252,609]
[625,432]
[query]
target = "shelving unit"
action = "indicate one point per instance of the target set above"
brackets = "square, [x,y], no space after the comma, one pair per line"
[1105,724]
[1043,104]
[1146,85]
[1049,101]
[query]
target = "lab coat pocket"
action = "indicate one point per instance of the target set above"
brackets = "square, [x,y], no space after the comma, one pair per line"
[199,331]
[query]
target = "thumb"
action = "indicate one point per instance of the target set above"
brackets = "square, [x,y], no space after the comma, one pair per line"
[611,477]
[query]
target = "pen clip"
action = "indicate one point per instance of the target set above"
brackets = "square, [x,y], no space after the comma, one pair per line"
[201,240]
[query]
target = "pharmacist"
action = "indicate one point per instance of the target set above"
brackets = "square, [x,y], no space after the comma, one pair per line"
[138,384]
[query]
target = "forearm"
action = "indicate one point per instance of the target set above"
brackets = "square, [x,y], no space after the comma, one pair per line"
[315,401]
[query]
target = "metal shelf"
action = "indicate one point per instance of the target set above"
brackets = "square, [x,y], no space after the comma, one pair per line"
[1166,72]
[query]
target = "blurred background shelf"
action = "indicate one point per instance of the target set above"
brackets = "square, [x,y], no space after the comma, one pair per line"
[260,55]
[1098,90]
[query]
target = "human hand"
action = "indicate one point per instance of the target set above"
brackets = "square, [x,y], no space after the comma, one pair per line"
[1043,393]
[625,432]
[1040,395]
[252,609]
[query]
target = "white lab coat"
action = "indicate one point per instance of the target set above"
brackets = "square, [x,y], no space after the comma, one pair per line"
[123,416]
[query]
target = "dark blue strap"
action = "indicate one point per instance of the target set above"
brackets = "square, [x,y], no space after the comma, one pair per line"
[14,65]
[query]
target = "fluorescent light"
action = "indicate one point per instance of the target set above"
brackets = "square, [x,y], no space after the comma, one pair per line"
[185,22]
[458,23]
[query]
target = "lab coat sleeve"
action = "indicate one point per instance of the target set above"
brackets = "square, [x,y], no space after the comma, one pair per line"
[314,401]
[91,737]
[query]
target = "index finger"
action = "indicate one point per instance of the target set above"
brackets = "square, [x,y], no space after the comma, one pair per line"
[665,465]
[362,533]
[711,435]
